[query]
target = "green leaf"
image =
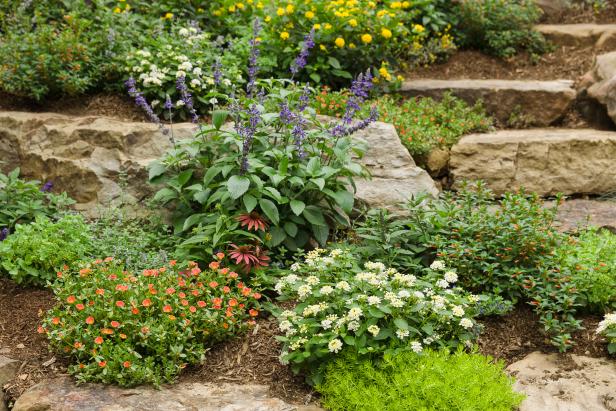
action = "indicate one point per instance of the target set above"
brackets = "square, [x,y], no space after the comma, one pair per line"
[191,221]
[334,62]
[270,210]
[321,233]
[249,202]
[345,200]
[401,323]
[278,235]
[319,182]
[210,174]
[165,195]
[314,215]
[202,196]
[349,340]
[237,186]
[156,169]
[184,176]
[219,117]
[315,77]
[290,228]
[297,206]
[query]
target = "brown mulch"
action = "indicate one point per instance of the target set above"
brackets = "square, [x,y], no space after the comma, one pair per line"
[517,334]
[580,13]
[567,63]
[110,105]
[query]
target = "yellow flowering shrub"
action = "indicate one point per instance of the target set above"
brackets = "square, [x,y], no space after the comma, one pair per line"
[350,35]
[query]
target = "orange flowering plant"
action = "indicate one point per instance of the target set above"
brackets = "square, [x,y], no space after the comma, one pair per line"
[127,328]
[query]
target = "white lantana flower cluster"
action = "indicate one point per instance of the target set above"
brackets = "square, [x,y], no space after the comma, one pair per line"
[370,308]
[607,327]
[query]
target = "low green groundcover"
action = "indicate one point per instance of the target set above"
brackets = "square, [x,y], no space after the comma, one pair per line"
[434,380]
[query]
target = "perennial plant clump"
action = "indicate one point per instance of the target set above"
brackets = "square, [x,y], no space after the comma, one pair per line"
[607,327]
[133,328]
[369,309]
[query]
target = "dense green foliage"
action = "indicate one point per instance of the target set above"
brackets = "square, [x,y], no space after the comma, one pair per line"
[423,124]
[434,380]
[591,259]
[499,27]
[128,329]
[22,201]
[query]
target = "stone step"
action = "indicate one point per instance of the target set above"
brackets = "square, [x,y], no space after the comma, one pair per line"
[536,103]
[545,161]
[600,36]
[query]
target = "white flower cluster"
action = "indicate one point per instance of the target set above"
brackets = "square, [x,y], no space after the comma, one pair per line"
[608,321]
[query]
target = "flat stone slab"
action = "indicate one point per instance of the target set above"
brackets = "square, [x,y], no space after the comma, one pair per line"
[545,161]
[539,103]
[8,370]
[577,214]
[62,394]
[571,383]
[601,36]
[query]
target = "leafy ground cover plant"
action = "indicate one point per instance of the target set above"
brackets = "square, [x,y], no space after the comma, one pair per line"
[607,327]
[591,259]
[423,124]
[434,380]
[36,251]
[126,328]
[22,201]
[279,171]
[499,27]
[369,309]
[504,247]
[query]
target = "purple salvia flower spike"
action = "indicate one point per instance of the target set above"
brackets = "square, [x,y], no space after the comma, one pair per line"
[253,67]
[140,101]
[302,59]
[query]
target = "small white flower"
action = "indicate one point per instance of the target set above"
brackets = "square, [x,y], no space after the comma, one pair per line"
[295,267]
[210,80]
[374,330]
[227,82]
[419,294]
[195,82]
[303,291]
[326,324]
[473,298]
[457,311]
[608,321]
[197,71]
[451,277]
[437,265]
[353,325]
[397,303]
[335,345]
[312,280]
[402,334]
[416,347]
[179,103]
[183,32]
[180,73]
[327,290]
[185,66]
[154,103]
[335,253]
[379,267]
[354,314]
[404,294]
[213,101]
[343,285]
[181,58]
[374,300]
[442,283]
[466,323]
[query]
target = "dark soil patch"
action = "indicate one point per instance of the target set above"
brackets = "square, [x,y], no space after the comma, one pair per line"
[110,105]
[517,334]
[581,13]
[567,63]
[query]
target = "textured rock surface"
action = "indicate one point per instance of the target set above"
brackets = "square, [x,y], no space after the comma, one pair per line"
[395,177]
[83,155]
[8,369]
[574,383]
[541,103]
[601,36]
[552,7]
[63,395]
[580,213]
[547,161]
[600,83]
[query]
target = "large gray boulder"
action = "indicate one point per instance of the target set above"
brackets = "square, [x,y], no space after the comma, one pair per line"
[546,161]
[600,83]
[62,394]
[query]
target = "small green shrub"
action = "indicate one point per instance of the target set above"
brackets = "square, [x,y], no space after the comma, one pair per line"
[433,380]
[35,252]
[423,124]
[368,309]
[499,27]
[591,259]
[607,327]
[128,329]
[22,201]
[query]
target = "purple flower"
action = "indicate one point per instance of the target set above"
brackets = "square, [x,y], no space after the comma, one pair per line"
[217,72]
[286,115]
[360,89]
[248,133]
[4,233]
[143,103]
[360,125]
[186,98]
[301,59]
[299,135]
[47,187]
[304,99]
[253,67]
[168,104]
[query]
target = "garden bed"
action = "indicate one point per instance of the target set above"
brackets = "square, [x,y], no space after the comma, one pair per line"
[253,357]
[587,14]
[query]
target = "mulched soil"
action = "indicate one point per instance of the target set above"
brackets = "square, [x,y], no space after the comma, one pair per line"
[253,357]
[110,105]
[585,14]
[567,63]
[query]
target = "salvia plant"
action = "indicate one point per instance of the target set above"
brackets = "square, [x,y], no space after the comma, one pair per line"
[276,175]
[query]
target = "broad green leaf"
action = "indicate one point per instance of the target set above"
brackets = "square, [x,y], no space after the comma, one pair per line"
[314,215]
[249,202]
[278,235]
[297,207]
[345,200]
[290,228]
[184,177]
[237,186]
[219,117]
[156,169]
[321,233]
[401,323]
[165,195]
[270,210]
[191,221]
[320,182]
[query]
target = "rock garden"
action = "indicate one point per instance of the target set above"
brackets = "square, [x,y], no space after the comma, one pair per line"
[307,205]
